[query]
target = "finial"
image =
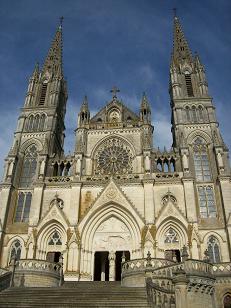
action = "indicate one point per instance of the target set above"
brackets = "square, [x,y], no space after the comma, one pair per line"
[61,22]
[114,90]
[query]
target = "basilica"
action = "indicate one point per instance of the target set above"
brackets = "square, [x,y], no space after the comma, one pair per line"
[117,197]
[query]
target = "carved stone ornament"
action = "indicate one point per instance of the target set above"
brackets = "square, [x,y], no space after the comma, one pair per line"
[113,157]
[111,193]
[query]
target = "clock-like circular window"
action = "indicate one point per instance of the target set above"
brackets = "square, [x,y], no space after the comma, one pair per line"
[113,157]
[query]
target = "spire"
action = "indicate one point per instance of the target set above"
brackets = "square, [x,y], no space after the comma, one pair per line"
[145,110]
[35,74]
[144,103]
[84,106]
[53,62]
[181,50]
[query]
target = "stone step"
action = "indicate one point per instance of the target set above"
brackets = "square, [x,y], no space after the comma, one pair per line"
[76,294]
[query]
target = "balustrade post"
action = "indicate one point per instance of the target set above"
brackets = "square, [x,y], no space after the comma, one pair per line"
[61,270]
[180,281]
[13,266]
[184,254]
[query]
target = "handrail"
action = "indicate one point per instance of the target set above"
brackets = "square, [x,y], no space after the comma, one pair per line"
[159,296]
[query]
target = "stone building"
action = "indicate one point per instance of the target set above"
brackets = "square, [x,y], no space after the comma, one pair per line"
[117,196]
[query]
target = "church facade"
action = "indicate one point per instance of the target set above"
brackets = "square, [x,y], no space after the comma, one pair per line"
[117,196]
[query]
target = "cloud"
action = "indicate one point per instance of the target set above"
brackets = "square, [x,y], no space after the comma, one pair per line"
[162,131]
[8,120]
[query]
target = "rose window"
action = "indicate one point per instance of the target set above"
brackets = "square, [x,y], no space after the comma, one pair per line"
[114,157]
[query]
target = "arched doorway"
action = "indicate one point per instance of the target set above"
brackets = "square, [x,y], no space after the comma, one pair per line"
[227,301]
[111,245]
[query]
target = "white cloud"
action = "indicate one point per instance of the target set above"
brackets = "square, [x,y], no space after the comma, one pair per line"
[162,132]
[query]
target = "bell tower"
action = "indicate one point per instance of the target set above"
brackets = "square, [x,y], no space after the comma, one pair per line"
[193,111]
[42,117]
[39,135]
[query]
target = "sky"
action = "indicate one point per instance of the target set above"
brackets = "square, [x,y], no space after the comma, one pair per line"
[106,43]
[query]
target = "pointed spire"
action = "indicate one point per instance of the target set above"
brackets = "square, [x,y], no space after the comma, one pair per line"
[84,106]
[53,62]
[181,50]
[144,102]
[35,74]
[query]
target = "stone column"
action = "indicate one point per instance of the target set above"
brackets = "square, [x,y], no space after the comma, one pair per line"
[103,261]
[180,280]
[111,258]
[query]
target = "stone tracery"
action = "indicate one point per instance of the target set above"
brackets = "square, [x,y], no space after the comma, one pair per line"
[113,157]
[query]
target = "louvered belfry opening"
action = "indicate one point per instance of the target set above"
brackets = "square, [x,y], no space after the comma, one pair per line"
[189,87]
[43,94]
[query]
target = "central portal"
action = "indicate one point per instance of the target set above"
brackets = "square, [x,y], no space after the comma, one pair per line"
[107,265]
[111,245]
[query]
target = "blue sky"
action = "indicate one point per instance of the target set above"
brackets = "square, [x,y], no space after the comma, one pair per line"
[126,43]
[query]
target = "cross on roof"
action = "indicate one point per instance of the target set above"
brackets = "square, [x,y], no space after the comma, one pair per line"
[114,90]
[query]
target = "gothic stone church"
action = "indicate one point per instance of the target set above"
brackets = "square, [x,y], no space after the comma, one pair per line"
[117,197]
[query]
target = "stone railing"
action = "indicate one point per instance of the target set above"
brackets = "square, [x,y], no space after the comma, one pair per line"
[38,266]
[159,296]
[191,267]
[144,265]
[36,273]
[59,179]
[222,269]
[5,279]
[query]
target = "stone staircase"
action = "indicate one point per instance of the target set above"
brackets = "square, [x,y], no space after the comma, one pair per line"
[76,294]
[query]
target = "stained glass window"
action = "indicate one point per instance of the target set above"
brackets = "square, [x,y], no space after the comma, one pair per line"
[55,239]
[213,250]
[206,201]
[113,157]
[171,236]
[23,207]
[29,167]
[201,161]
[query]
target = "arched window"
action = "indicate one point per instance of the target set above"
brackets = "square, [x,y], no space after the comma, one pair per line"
[206,202]
[194,114]
[188,82]
[55,239]
[201,162]
[213,250]
[16,249]
[29,167]
[43,93]
[23,207]
[30,123]
[171,236]
[200,114]
[36,123]
[42,122]
[187,110]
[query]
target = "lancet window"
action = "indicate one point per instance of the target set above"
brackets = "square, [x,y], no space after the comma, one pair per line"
[206,201]
[213,250]
[201,161]
[35,123]
[29,167]
[23,207]
[15,251]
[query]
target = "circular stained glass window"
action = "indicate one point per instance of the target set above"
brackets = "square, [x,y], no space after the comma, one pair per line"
[114,157]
